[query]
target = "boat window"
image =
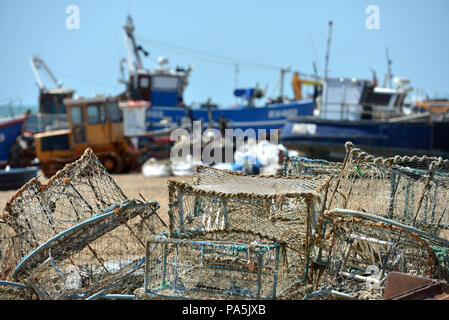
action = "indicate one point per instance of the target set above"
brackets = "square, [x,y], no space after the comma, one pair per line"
[144,82]
[96,114]
[399,100]
[382,99]
[165,83]
[76,113]
[114,112]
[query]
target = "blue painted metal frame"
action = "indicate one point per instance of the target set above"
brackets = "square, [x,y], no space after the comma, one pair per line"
[163,240]
[14,284]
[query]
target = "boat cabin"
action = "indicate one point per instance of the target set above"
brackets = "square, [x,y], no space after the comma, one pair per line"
[160,87]
[355,99]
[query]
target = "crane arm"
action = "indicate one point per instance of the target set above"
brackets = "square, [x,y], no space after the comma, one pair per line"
[36,63]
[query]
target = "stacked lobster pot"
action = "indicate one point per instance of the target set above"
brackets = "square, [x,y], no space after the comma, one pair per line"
[77,236]
[236,236]
[382,215]
[300,166]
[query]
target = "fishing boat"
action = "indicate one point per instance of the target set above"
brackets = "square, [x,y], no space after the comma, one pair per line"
[10,128]
[51,113]
[437,106]
[376,119]
[14,178]
[153,100]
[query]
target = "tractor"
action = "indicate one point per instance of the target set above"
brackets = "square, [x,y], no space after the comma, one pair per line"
[92,122]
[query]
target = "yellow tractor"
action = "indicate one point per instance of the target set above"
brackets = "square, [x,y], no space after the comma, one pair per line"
[92,122]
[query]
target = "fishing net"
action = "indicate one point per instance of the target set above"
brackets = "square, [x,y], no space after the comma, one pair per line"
[299,166]
[8,256]
[283,210]
[203,268]
[15,291]
[355,251]
[411,190]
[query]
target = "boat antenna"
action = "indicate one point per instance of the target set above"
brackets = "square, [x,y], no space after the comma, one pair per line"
[388,76]
[375,81]
[283,71]
[326,67]
[315,71]
[122,71]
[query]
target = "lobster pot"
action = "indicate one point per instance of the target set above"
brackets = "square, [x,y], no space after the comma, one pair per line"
[99,256]
[355,251]
[8,256]
[15,291]
[283,210]
[299,166]
[438,215]
[204,269]
[38,212]
[404,189]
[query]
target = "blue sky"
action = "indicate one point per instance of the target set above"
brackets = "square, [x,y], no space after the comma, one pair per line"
[271,33]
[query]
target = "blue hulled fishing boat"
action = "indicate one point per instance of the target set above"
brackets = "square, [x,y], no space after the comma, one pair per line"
[10,128]
[376,119]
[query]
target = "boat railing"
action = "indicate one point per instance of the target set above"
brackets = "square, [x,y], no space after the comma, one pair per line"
[354,111]
[40,122]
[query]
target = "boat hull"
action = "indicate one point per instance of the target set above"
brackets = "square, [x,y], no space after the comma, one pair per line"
[268,117]
[9,130]
[15,178]
[320,137]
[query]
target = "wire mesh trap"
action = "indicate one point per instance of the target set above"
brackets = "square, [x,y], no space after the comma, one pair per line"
[37,212]
[8,255]
[283,210]
[299,166]
[15,291]
[216,269]
[355,251]
[410,190]
[77,235]
[94,257]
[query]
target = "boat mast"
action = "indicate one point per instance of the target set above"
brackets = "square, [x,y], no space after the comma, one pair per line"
[283,71]
[388,76]
[129,37]
[326,66]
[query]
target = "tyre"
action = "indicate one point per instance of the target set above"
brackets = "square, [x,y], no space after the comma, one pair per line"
[111,161]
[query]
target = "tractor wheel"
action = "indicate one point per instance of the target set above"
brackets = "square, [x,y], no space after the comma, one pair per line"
[111,161]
